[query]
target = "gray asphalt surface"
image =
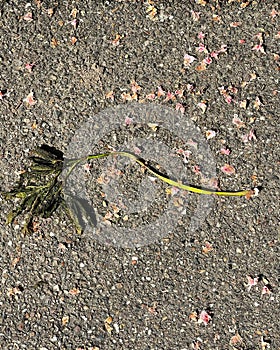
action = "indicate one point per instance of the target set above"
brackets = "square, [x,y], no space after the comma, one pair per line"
[64,291]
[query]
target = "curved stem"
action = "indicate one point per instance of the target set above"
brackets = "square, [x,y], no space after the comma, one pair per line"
[166,179]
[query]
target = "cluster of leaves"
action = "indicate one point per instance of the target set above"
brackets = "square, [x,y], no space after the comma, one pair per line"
[39,189]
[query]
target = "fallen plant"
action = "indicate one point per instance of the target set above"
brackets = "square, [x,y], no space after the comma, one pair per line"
[40,190]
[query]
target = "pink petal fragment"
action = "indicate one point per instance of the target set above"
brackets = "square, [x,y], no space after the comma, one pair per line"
[201,35]
[228,169]
[259,47]
[225,151]
[160,92]
[207,60]
[188,59]
[202,48]
[204,318]
[238,122]
[210,134]
[28,17]
[195,16]
[203,106]
[251,282]
[180,107]
[151,96]
[29,99]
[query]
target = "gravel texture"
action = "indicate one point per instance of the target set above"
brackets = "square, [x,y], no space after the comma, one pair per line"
[60,290]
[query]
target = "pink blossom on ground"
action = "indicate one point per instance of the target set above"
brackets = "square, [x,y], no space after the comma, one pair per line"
[242,41]
[210,134]
[28,17]
[207,60]
[87,167]
[180,107]
[223,48]
[259,47]
[195,15]
[137,150]
[277,36]
[29,66]
[135,87]
[188,59]
[201,35]
[235,24]
[203,106]
[228,169]
[160,92]
[151,96]
[274,13]
[29,99]
[179,93]
[266,290]
[214,54]
[186,154]
[169,96]
[196,169]
[238,122]
[204,318]
[228,99]
[202,48]
[190,87]
[249,137]
[225,151]
[251,282]
[128,121]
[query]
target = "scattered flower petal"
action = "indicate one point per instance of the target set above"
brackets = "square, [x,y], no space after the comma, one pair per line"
[207,248]
[73,40]
[202,48]
[28,17]
[160,92]
[225,151]
[251,282]
[214,54]
[29,66]
[180,107]
[135,87]
[29,99]
[201,67]
[266,290]
[151,96]
[195,16]
[128,121]
[228,169]
[204,318]
[274,13]
[207,60]
[169,96]
[210,134]
[235,24]
[179,93]
[201,35]
[238,122]
[202,105]
[116,41]
[188,59]
[259,47]
[235,340]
